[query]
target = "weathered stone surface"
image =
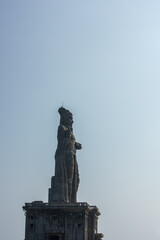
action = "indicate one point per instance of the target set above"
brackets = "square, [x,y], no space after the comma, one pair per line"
[61,221]
[64,184]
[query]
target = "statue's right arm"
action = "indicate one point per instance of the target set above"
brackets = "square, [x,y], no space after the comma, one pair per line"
[60,135]
[63,136]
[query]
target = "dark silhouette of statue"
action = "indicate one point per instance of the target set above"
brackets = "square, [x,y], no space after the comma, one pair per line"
[66,181]
[62,217]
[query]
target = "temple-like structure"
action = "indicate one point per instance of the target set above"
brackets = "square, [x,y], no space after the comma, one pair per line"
[63,218]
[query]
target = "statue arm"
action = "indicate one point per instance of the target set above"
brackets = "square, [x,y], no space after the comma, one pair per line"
[60,135]
[63,135]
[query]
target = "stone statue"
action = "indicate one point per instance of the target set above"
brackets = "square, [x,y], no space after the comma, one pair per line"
[66,180]
[62,217]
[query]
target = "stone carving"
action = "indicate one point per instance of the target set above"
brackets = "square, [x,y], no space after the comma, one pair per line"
[62,218]
[66,180]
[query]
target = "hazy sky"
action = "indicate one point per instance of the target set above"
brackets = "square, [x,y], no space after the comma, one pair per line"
[102,60]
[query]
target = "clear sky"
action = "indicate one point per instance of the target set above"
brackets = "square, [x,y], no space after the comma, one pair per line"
[102,60]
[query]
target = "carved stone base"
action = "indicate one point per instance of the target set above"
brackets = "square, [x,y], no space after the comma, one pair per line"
[61,221]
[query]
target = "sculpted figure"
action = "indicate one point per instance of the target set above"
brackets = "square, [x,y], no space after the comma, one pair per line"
[66,168]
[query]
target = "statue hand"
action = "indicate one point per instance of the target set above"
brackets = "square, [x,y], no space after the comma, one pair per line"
[78,146]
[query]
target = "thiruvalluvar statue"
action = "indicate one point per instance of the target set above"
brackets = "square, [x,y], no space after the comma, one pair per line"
[66,180]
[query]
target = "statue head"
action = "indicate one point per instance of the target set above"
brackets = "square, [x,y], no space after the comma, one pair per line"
[66,117]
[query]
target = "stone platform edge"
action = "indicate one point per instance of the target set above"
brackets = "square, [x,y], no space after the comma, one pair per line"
[62,206]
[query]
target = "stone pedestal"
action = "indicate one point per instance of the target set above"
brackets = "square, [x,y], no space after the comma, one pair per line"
[61,221]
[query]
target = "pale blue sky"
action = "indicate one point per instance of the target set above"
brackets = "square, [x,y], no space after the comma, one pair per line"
[102,60]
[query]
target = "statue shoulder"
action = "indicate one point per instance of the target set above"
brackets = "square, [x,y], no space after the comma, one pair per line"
[62,128]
